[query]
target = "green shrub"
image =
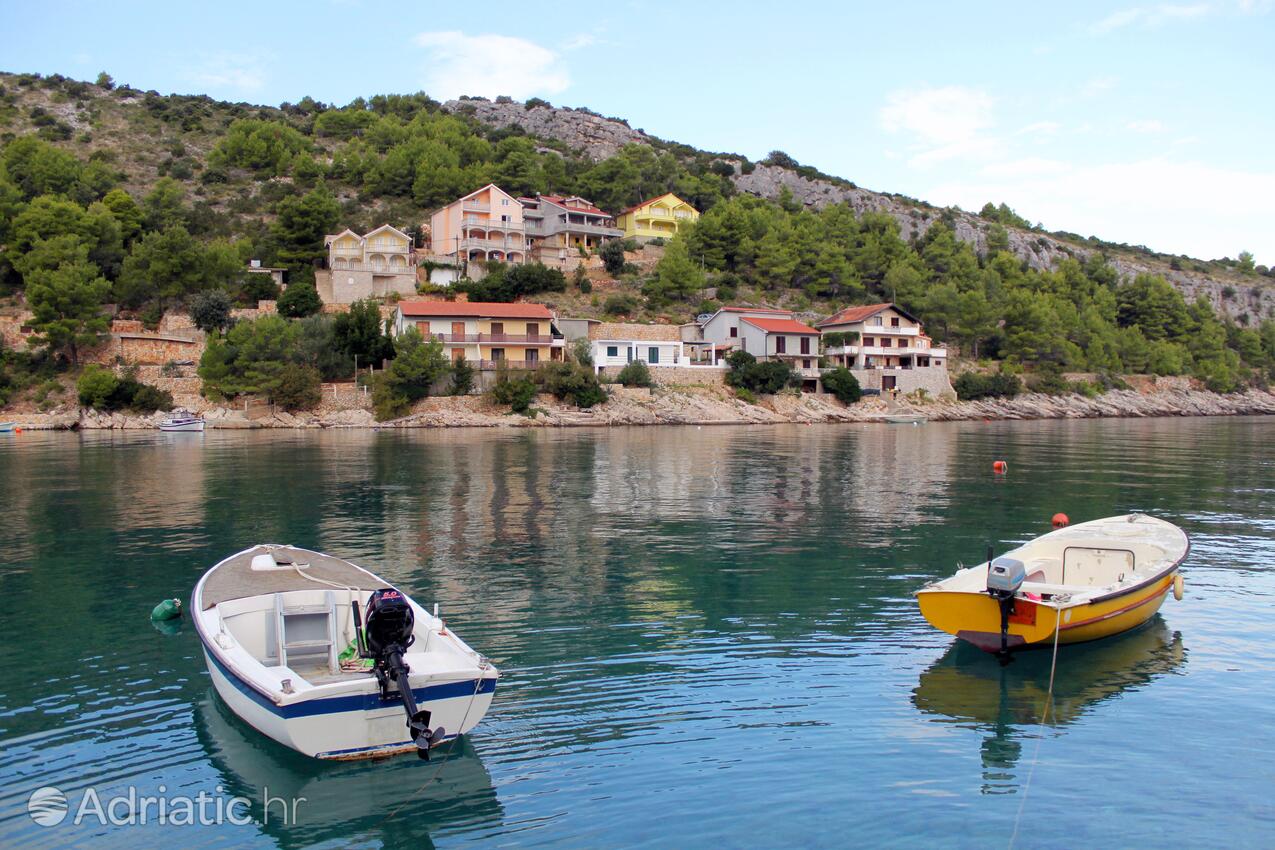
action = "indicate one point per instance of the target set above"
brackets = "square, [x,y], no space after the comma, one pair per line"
[842,384]
[517,392]
[96,386]
[299,387]
[745,395]
[573,381]
[100,389]
[764,378]
[620,304]
[636,374]
[147,399]
[415,369]
[1049,382]
[210,311]
[971,386]
[462,377]
[300,300]
[257,287]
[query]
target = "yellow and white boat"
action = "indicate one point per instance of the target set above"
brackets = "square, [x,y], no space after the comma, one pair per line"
[1084,582]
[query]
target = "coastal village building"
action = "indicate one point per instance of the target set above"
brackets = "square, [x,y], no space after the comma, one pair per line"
[617,344]
[485,333]
[765,333]
[375,264]
[484,225]
[886,348]
[558,229]
[658,218]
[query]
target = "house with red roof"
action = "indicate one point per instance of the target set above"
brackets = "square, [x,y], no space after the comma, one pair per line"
[886,347]
[559,228]
[522,336]
[764,332]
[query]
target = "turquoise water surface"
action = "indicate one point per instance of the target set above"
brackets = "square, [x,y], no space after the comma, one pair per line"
[707,636]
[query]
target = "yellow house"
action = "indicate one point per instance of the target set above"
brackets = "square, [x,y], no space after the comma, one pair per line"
[658,218]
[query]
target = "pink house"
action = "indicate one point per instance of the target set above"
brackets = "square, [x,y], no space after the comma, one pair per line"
[483,225]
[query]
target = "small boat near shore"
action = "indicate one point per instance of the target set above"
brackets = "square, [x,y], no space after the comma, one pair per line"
[315,653]
[7,427]
[905,418]
[1079,583]
[180,422]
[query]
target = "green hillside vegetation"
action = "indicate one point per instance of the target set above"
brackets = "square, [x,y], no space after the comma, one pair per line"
[109,195]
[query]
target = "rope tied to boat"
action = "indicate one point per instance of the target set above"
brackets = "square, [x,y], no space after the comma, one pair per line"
[1044,715]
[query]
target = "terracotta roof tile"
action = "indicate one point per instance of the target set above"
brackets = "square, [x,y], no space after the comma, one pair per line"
[476,309]
[854,314]
[780,326]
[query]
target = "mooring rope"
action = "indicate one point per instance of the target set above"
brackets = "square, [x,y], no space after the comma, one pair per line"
[1049,699]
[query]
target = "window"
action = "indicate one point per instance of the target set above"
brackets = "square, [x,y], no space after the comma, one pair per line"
[613,351]
[805,364]
[875,320]
[653,354]
[885,342]
[734,332]
[781,344]
[805,345]
[533,329]
[504,202]
[531,356]
[894,322]
[867,340]
[497,328]
[497,354]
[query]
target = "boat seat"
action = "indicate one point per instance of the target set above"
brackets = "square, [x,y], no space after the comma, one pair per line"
[1053,589]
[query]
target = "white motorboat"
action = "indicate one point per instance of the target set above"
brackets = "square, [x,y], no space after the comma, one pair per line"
[7,427]
[179,422]
[313,651]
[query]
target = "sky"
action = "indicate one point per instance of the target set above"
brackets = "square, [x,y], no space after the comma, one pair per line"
[1146,123]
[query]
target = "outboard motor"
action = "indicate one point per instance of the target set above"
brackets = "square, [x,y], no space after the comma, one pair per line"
[388,634]
[1004,577]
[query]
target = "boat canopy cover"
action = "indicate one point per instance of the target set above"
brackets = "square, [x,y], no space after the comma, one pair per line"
[235,577]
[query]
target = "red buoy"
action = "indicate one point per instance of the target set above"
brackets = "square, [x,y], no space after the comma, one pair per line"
[1060,520]
[1000,467]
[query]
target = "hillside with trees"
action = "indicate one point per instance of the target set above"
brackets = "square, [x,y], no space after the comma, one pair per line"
[113,196]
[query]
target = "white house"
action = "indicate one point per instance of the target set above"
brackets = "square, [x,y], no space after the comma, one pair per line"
[617,344]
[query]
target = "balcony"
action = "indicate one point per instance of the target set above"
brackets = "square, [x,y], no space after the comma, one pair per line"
[492,365]
[887,330]
[456,337]
[477,206]
[520,339]
[491,223]
[881,351]
[494,244]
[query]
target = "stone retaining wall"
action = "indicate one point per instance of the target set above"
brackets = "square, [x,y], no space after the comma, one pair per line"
[674,375]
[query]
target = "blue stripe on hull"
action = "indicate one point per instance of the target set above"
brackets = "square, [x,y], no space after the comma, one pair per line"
[354,702]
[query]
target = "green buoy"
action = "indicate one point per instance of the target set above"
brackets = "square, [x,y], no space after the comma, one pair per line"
[169,609]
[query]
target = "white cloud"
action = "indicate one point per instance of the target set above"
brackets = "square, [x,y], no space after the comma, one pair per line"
[1145,126]
[490,65]
[576,42]
[1150,16]
[1175,206]
[231,71]
[1045,128]
[945,122]
[1097,85]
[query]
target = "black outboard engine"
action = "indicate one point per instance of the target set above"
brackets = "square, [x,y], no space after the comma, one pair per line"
[388,634]
[1004,577]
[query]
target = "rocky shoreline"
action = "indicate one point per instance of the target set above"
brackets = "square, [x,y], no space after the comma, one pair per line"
[691,406]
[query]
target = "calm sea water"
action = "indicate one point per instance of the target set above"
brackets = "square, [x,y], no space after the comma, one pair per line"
[707,634]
